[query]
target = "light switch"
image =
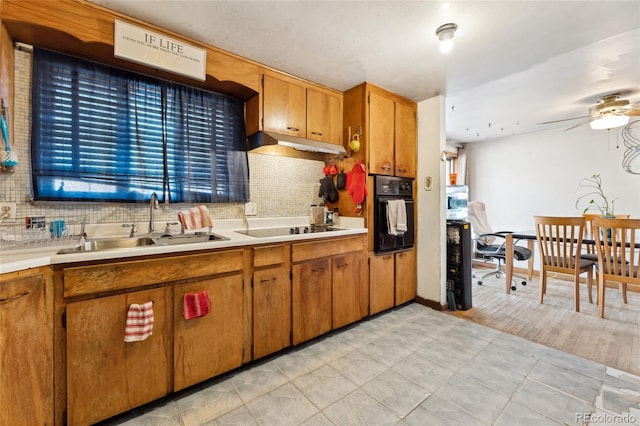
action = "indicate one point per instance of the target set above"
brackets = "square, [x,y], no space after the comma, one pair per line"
[428,183]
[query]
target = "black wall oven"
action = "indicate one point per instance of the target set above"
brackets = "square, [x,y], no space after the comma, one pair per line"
[388,188]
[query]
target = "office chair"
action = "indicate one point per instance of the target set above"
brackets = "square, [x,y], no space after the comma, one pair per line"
[491,245]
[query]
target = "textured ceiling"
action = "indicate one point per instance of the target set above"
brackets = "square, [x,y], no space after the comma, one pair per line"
[514,63]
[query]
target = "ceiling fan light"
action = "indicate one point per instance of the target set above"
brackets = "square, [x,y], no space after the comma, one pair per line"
[445,34]
[609,122]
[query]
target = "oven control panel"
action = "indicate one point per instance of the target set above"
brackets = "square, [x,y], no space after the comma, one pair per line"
[392,185]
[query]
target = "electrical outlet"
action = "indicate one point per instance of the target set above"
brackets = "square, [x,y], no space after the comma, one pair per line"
[7,210]
[250,209]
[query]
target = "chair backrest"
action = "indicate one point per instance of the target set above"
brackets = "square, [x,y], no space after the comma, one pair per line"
[618,256]
[477,216]
[588,228]
[559,241]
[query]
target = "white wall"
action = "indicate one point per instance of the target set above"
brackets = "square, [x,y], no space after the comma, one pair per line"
[431,251]
[538,174]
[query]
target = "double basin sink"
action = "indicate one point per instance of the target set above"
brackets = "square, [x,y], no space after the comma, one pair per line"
[100,244]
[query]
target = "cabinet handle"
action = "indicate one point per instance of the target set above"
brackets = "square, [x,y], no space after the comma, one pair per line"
[317,133]
[344,265]
[402,170]
[387,257]
[293,129]
[268,280]
[17,296]
[385,167]
[316,271]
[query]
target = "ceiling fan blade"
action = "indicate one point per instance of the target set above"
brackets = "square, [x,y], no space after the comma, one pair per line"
[566,119]
[578,125]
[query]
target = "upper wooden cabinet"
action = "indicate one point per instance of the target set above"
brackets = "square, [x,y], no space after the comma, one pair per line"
[387,126]
[284,106]
[294,107]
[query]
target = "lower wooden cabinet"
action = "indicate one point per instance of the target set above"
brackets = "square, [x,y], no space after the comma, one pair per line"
[212,344]
[26,348]
[311,299]
[405,276]
[271,310]
[106,375]
[349,284]
[381,282]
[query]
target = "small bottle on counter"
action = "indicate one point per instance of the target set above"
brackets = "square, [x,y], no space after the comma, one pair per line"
[329,217]
[336,216]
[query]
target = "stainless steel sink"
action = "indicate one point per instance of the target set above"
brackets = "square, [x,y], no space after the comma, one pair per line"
[167,240]
[100,244]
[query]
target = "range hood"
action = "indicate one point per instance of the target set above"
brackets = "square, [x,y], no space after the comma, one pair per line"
[293,146]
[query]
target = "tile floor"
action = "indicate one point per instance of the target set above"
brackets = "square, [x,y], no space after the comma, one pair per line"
[409,366]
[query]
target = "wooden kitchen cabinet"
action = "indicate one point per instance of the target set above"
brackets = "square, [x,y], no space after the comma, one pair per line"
[405,271]
[381,134]
[106,375]
[296,108]
[311,299]
[330,285]
[381,282]
[271,299]
[284,107]
[405,139]
[349,279]
[212,344]
[26,347]
[324,116]
[388,124]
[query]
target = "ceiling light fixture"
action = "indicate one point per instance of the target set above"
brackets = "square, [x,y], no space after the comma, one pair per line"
[445,34]
[609,121]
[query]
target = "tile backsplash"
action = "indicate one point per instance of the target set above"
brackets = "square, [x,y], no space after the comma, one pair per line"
[280,186]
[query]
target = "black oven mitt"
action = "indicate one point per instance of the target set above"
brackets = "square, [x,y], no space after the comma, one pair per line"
[328,190]
[341,180]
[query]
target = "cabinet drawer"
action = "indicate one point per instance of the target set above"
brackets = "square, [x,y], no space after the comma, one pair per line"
[327,247]
[83,280]
[269,255]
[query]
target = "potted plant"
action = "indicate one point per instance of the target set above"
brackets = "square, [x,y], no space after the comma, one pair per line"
[595,198]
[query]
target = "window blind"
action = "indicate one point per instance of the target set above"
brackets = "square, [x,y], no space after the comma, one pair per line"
[105,134]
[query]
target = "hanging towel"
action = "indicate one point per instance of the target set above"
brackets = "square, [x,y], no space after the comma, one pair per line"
[139,322]
[396,217]
[195,218]
[196,305]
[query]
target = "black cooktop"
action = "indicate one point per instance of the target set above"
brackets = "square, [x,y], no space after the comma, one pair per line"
[278,232]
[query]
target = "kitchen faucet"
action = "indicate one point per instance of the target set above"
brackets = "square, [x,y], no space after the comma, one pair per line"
[153,204]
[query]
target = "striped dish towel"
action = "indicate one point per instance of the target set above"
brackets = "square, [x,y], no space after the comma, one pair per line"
[196,305]
[139,322]
[195,218]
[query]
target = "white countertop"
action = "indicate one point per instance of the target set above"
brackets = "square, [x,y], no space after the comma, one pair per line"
[16,260]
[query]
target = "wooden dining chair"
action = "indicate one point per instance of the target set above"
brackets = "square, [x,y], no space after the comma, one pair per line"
[618,248]
[589,250]
[560,244]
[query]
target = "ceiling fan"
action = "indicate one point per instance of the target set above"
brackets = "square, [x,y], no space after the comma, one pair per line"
[609,112]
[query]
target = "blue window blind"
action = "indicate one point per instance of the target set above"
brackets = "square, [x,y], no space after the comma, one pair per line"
[104,134]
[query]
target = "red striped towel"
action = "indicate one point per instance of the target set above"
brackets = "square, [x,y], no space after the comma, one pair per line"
[139,322]
[196,305]
[195,218]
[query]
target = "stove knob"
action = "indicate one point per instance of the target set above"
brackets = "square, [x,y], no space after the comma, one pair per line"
[306,230]
[292,230]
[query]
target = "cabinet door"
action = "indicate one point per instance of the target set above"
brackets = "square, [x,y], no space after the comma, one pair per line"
[284,107]
[350,301]
[271,310]
[324,116]
[405,276]
[26,351]
[381,282]
[405,141]
[311,302]
[210,345]
[381,134]
[106,375]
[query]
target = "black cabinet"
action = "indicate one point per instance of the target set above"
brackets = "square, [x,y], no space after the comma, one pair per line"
[459,259]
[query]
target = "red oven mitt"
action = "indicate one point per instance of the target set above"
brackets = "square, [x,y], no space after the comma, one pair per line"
[357,185]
